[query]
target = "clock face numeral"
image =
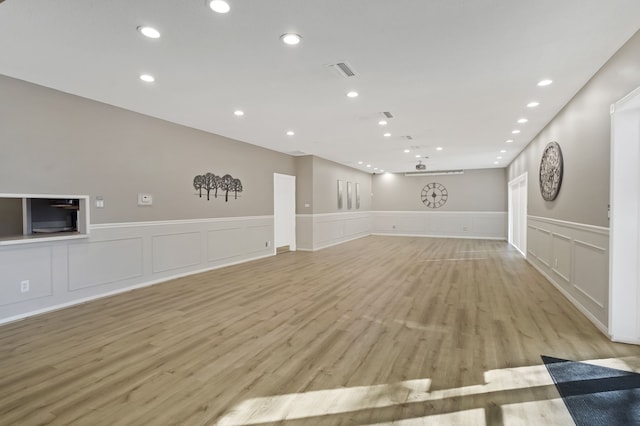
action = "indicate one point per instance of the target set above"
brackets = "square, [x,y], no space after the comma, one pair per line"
[434,195]
[551,166]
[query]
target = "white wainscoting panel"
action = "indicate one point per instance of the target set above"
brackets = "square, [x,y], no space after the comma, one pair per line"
[226,243]
[175,251]
[488,225]
[318,231]
[33,264]
[575,259]
[588,278]
[93,263]
[258,238]
[561,254]
[123,256]
[304,232]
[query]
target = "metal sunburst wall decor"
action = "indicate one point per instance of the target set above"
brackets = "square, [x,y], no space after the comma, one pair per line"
[551,166]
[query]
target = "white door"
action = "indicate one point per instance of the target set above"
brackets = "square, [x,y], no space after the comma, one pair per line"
[624,234]
[284,210]
[518,213]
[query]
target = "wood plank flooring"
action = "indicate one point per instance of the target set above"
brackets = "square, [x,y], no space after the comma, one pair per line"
[381,330]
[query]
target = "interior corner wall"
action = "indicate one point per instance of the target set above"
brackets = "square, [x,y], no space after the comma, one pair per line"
[304,202]
[57,143]
[476,206]
[568,237]
[10,214]
[323,224]
[325,187]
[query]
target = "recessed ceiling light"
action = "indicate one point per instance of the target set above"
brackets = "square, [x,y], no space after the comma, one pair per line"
[238,112]
[509,140]
[381,171]
[496,162]
[352,94]
[533,104]
[291,133]
[503,151]
[515,132]
[439,148]
[147,78]
[407,151]
[499,157]
[149,32]
[359,162]
[219,6]
[545,82]
[522,120]
[417,155]
[291,39]
[375,168]
[368,165]
[386,135]
[382,122]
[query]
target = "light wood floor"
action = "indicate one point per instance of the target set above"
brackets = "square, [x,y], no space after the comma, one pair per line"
[378,330]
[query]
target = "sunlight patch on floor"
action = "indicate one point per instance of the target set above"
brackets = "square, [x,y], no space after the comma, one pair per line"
[473,417]
[344,400]
[550,412]
[322,402]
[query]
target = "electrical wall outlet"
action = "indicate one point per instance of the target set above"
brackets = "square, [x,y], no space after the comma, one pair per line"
[267,243]
[24,286]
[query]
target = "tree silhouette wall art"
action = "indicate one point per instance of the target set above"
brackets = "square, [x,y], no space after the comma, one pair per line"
[211,182]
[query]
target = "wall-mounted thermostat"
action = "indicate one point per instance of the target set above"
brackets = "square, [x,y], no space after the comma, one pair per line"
[145,199]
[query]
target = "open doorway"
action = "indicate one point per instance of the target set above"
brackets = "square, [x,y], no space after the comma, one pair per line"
[624,236]
[518,213]
[284,212]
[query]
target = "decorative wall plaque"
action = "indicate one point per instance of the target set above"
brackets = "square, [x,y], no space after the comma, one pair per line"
[551,171]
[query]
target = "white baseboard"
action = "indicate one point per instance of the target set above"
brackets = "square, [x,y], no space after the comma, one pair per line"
[464,237]
[629,341]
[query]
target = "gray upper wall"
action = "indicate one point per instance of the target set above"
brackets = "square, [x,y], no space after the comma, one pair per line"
[304,184]
[57,143]
[325,187]
[583,130]
[474,191]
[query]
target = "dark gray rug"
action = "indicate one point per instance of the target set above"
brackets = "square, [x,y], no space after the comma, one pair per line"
[596,395]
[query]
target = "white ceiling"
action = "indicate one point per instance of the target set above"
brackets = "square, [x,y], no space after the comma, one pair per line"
[454,73]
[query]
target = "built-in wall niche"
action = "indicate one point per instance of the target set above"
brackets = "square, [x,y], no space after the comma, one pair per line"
[34,218]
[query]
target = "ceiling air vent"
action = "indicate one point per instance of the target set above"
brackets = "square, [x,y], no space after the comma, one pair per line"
[407,137]
[387,114]
[342,69]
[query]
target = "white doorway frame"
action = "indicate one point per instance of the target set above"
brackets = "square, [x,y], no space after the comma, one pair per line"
[517,199]
[284,211]
[624,234]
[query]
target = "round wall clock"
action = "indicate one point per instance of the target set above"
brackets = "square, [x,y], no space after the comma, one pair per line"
[551,171]
[434,195]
